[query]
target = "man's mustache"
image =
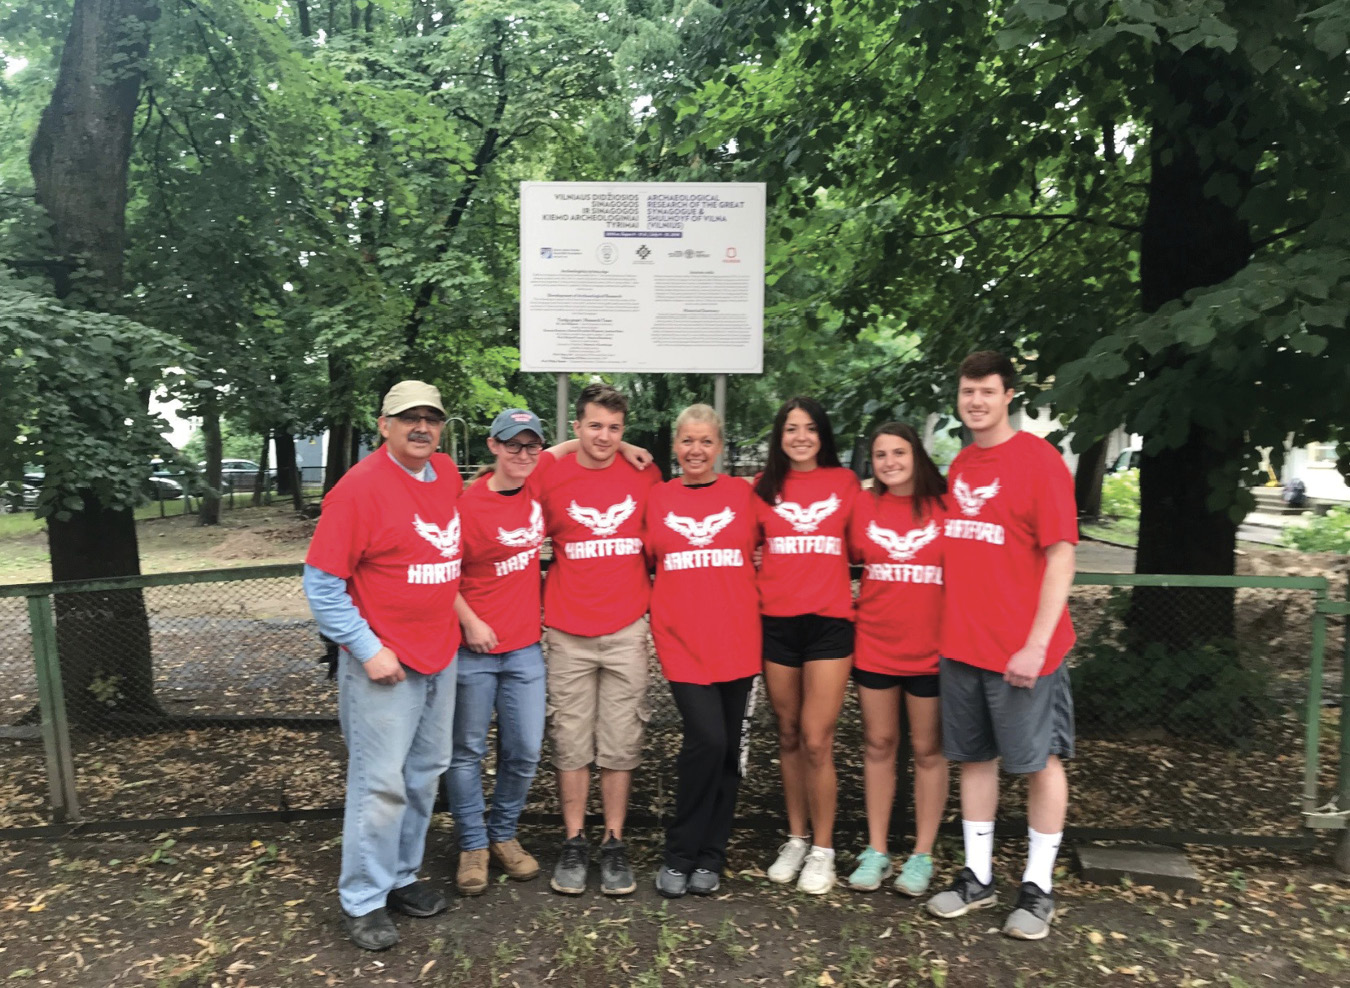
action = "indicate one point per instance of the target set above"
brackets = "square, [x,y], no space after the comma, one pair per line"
[419,435]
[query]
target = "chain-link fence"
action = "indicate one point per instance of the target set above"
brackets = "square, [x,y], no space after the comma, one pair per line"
[198,694]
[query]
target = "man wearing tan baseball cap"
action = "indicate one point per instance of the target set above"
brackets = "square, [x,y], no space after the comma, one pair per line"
[382,575]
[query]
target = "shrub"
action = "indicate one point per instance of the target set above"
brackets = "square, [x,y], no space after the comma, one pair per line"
[1204,691]
[1328,533]
[1120,495]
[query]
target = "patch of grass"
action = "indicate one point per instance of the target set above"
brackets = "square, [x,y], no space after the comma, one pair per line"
[1122,530]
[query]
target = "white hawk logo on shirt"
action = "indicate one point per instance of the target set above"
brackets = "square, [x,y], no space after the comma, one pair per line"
[446,539]
[901,547]
[807,519]
[972,501]
[700,533]
[605,522]
[531,535]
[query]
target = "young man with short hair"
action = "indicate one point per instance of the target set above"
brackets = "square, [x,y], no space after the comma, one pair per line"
[595,603]
[1009,558]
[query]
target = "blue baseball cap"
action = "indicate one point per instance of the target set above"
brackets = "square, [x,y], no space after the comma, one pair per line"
[514,421]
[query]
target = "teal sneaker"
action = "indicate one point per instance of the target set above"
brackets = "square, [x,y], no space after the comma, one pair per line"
[873,869]
[915,876]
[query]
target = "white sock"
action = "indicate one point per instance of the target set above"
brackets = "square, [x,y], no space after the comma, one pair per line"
[979,838]
[1041,851]
[827,851]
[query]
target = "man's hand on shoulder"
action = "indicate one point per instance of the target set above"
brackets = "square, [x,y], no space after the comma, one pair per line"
[636,456]
[1025,666]
[384,668]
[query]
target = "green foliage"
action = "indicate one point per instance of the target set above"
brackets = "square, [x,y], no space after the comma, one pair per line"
[75,384]
[237,443]
[1120,494]
[1205,692]
[1322,533]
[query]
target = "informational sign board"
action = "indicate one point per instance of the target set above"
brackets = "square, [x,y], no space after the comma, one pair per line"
[651,277]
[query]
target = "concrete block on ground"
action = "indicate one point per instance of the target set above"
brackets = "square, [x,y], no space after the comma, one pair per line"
[1162,867]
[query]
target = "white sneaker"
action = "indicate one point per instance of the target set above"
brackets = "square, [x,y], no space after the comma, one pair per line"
[817,876]
[789,861]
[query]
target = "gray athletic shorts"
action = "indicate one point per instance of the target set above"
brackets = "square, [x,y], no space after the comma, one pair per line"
[984,718]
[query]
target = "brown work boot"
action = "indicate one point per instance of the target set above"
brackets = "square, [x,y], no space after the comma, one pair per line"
[517,862]
[473,872]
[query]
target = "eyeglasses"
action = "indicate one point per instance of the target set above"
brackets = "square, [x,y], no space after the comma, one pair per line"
[534,449]
[414,419]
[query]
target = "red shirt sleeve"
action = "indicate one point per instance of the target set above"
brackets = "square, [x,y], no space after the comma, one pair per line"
[1056,509]
[340,538]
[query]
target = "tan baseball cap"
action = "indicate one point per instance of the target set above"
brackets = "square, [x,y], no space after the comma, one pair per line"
[411,394]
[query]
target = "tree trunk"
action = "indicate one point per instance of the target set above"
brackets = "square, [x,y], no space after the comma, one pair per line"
[262,484]
[83,141]
[1087,480]
[103,638]
[79,161]
[1190,240]
[339,448]
[289,483]
[208,512]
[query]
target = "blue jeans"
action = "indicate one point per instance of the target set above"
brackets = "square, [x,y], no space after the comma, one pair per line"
[512,683]
[398,744]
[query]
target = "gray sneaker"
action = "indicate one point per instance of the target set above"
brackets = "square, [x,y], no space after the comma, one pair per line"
[569,874]
[616,875]
[1030,919]
[671,883]
[704,881]
[961,896]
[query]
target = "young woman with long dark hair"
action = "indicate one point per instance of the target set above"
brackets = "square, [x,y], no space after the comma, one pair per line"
[804,498]
[896,532]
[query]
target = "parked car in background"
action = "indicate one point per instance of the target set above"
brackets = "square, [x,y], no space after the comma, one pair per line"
[240,475]
[1127,459]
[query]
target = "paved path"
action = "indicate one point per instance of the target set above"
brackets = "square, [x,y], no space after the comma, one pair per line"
[1098,557]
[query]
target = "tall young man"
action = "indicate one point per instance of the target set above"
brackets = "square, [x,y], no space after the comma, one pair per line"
[1009,557]
[595,603]
[382,575]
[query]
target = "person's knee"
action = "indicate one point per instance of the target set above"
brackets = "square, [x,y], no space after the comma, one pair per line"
[929,759]
[818,745]
[881,746]
[789,736]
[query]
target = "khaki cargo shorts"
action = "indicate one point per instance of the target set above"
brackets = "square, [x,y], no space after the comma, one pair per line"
[597,697]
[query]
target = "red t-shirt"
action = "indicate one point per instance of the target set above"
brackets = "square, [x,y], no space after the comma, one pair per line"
[899,608]
[502,536]
[597,582]
[397,542]
[1007,504]
[705,608]
[805,565]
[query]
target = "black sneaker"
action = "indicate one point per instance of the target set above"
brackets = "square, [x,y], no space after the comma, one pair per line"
[961,896]
[616,876]
[373,931]
[704,881]
[671,883]
[569,874]
[418,899]
[1030,918]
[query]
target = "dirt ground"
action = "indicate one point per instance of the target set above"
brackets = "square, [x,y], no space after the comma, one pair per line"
[244,537]
[255,908]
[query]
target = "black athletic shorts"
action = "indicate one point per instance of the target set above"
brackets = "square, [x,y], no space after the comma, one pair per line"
[924,686]
[791,641]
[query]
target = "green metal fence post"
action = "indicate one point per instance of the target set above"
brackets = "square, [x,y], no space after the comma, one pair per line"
[1342,854]
[1314,715]
[52,703]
